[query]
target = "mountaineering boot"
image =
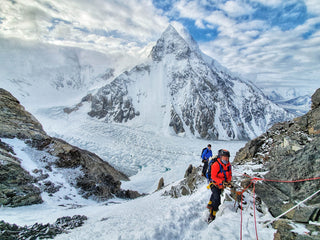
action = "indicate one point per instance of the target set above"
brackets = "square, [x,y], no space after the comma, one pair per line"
[212,216]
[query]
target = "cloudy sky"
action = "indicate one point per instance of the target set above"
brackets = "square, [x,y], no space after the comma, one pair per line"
[274,43]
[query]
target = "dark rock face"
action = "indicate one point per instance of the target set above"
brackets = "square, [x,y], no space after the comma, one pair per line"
[40,231]
[96,179]
[176,122]
[12,115]
[289,151]
[112,102]
[315,99]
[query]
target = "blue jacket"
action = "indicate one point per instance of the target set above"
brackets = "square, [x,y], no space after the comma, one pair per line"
[206,154]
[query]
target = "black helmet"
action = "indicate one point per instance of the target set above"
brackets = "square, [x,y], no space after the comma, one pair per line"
[223,152]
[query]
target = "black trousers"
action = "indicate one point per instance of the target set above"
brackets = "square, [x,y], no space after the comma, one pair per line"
[215,198]
[205,167]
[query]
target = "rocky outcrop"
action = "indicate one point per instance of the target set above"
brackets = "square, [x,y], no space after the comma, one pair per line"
[15,121]
[96,178]
[315,100]
[292,135]
[40,231]
[289,151]
[160,184]
[188,185]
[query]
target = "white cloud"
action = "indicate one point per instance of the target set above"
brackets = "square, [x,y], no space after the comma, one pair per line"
[236,8]
[275,58]
[190,9]
[76,22]
[250,46]
[313,6]
[253,47]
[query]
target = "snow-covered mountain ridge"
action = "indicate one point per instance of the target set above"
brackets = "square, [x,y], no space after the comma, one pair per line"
[294,101]
[179,90]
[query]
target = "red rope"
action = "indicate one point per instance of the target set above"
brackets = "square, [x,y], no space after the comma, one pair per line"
[289,181]
[253,181]
[254,208]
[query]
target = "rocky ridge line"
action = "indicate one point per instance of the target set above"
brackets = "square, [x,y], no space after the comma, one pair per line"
[289,151]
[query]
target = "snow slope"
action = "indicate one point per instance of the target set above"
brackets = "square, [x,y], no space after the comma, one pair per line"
[139,149]
[146,156]
[153,216]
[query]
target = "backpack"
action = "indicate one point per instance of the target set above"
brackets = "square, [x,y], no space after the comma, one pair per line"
[208,174]
[203,151]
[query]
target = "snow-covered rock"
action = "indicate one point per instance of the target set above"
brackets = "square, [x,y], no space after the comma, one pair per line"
[32,162]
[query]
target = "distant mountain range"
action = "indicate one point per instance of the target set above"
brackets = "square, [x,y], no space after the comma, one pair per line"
[290,100]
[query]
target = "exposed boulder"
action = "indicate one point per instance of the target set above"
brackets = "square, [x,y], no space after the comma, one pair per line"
[160,184]
[188,185]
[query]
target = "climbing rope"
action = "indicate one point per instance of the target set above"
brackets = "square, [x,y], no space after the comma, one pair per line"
[306,199]
[253,181]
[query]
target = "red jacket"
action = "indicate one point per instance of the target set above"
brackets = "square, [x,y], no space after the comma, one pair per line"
[218,176]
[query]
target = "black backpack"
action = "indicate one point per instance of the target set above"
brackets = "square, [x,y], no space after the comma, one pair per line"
[208,174]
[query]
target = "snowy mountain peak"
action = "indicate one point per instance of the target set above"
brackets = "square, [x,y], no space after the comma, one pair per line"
[170,31]
[170,42]
[181,91]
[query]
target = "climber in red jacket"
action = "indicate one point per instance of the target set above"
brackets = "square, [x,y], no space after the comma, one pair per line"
[220,178]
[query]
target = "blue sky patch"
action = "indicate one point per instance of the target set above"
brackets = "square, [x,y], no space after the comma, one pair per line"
[199,35]
[286,17]
[55,22]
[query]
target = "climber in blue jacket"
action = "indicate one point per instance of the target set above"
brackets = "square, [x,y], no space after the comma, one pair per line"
[206,154]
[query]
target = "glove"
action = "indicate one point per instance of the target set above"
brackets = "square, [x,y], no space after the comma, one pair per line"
[227,184]
[211,184]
